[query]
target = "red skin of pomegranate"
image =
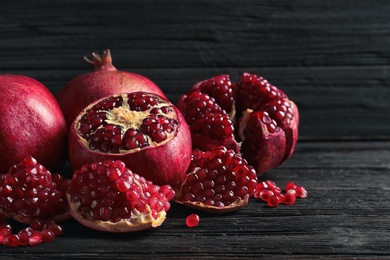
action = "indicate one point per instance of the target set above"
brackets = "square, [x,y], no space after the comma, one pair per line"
[31,124]
[163,164]
[104,81]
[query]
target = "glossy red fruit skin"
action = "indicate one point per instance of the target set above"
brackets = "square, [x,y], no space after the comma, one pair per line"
[163,164]
[104,81]
[31,123]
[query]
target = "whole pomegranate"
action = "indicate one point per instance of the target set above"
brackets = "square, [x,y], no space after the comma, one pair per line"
[31,123]
[142,129]
[108,196]
[217,181]
[29,192]
[104,81]
[251,116]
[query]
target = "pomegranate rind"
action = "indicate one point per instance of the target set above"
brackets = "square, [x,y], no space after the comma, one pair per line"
[140,220]
[237,204]
[31,122]
[165,163]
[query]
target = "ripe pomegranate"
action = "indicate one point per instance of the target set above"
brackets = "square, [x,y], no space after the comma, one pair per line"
[108,196]
[251,116]
[144,130]
[217,181]
[29,192]
[104,81]
[31,123]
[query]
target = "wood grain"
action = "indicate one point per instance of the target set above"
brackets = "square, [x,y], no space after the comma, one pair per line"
[346,215]
[332,58]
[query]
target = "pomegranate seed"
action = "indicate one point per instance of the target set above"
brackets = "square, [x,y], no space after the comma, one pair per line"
[55,228]
[266,194]
[192,220]
[5,229]
[35,238]
[23,238]
[301,192]
[273,201]
[290,186]
[290,197]
[47,235]
[36,225]
[11,240]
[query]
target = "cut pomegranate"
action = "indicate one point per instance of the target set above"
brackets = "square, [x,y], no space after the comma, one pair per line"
[29,192]
[104,81]
[192,220]
[142,129]
[252,117]
[107,196]
[217,181]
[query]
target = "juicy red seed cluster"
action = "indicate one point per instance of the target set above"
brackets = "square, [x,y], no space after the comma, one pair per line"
[220,178]
[269,192]
[208,118]
[253,91]
[37,233]
[156,126]
[192,220]
[109,191]
[140,101]
[30,190]
[220,88]
[112,138]
[281,110]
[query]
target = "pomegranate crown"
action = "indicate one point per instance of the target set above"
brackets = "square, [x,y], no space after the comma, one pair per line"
[103,63]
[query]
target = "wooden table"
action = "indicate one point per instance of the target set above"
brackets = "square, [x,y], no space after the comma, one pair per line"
[346,214]
[331,57]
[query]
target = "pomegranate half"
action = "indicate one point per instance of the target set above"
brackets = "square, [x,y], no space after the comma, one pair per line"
[142,129]
[31,123]
[104,81]
[250,116]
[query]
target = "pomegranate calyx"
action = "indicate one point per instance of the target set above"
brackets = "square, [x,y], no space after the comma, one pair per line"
[103,63]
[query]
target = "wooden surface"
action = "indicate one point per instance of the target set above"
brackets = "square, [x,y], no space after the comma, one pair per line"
[346,215]
[331,57]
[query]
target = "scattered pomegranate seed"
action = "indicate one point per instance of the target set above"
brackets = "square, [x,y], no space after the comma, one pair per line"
[301,192]
[192,220]
[11,240]
[269,192]
[33,235]
[290,197]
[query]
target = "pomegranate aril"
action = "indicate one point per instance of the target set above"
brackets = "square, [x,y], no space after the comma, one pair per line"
[23,238]
[55,228]
[11,240]
[266,194]
[35,238]
[290,186]
[290,197]
[47,235]
[274,201]
[301,192]
[192,220]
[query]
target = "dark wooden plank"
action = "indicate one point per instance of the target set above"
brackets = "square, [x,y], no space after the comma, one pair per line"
[345,215]
[331,58]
